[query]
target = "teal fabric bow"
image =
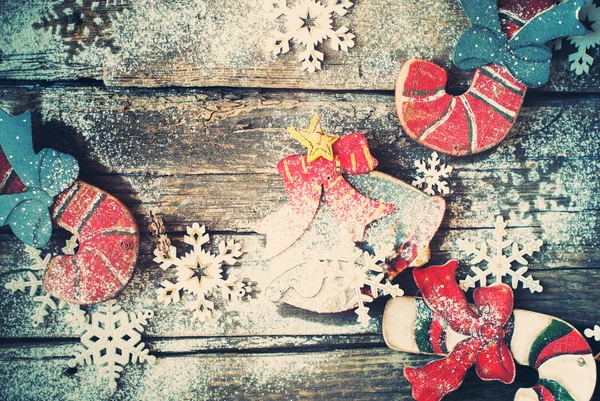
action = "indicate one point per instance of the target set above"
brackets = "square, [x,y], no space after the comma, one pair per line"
[526,55]
[45,175]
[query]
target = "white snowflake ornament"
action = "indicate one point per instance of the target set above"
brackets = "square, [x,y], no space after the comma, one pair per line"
[111,339]
[32,283]
[200,273]
[431,175]
[355,271]
[580,59]
[310,23]
[499,264]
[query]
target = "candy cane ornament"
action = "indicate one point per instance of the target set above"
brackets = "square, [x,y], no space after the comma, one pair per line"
[481,118]
[38,189]
[561,355]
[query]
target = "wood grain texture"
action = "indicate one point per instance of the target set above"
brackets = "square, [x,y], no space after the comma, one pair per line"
[357,374]
[155,43]
[157,140]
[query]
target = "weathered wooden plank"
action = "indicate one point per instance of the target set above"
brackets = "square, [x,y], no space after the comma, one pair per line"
[568,276]
[211,132]
[154,43]
[361,374]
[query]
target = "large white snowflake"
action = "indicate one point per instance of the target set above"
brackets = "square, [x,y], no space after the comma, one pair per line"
[310,22]
[499,264]
[33,282]
[200,273]
[359,278]
[580,59]
[431,175]
[111,339]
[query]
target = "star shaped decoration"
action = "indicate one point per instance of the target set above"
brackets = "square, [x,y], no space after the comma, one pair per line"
[318,142]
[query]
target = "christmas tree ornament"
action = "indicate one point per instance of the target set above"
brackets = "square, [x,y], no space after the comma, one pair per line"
[498,264]
[110,340]
[200,273]
[509,53]
[37,190]
[310,23]
[490,336]
[361,210]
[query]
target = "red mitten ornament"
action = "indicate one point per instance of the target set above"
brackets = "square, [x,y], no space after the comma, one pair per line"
[480,118]
[490,336]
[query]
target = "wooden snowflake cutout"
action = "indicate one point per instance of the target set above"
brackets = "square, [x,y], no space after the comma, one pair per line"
[32,283]
[359,278]
[111,339]
[580,60]
[199,273]
[499,264]
[431,174]
[310,23]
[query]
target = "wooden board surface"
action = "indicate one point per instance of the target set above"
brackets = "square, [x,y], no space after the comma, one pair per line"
[209,155]
[155,43]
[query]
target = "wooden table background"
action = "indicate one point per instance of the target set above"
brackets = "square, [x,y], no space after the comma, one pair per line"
[175,106]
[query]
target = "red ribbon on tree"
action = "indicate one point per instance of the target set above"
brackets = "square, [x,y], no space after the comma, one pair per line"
[304,182]
[485,328]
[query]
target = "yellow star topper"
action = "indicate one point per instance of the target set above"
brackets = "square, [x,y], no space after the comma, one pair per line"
[317,141]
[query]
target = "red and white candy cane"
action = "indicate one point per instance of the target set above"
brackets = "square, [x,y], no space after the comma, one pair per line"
[562,357]
[108,237]
[480,118]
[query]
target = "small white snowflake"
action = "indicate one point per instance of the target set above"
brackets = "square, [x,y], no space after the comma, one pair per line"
[111,340]
[595,333]
[355,271]
[200,273]
[431,175]
[580,59]
[498,264]
[309,22]
[33,282]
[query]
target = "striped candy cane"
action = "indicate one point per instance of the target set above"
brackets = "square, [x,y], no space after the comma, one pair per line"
[561,355]
[480,118]
[108,237]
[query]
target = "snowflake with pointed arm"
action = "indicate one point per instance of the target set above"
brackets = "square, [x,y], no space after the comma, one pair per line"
[362,278]
[199,273]
[310,23]
[431,175]
[499,264]
[580,59]
[111,339]
[33,282]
